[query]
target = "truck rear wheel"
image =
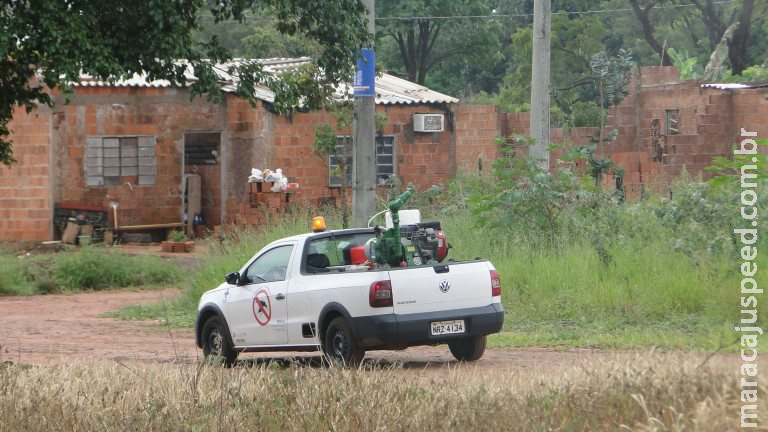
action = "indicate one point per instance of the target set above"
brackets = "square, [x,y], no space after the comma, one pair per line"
[340,346]
[468,348]
[215,345]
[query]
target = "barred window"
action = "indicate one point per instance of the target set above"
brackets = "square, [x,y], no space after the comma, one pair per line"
[385,161]
[110,161]
[673,121]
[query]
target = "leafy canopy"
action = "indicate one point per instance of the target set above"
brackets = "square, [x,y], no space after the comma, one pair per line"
[49,43]
[456,53]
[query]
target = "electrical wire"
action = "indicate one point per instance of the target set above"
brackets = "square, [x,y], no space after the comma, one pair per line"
[514,15]
[529,15]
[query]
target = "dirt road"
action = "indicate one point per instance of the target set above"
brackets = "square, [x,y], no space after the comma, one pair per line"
[60,328]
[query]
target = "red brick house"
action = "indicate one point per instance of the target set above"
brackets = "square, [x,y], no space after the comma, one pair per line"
[131,144]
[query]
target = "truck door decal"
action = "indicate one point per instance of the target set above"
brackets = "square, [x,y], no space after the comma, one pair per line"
[262,307]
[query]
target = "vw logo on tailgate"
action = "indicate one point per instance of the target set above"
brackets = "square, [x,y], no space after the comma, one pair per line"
[444,286]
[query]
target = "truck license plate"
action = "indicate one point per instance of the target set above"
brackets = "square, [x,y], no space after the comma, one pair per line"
[447,327]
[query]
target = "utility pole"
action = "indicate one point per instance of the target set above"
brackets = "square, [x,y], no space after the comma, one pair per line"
[364,159]
[542,33]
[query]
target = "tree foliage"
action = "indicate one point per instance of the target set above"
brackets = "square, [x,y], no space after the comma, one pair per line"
[521,190]
[416,47]
[50,43]
[704,24]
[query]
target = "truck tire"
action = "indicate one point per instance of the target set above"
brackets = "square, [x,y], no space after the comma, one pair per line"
[216,348]
[468,348]
[340,346]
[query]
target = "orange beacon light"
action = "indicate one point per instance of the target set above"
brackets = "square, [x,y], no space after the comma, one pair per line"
[318,224]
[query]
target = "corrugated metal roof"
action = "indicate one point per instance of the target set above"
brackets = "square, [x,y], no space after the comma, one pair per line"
[390,90]
[735,86]
[393,90]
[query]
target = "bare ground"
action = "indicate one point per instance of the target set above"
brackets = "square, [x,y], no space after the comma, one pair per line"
[52,329]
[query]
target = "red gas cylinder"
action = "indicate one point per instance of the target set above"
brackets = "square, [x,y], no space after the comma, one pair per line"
[357,255]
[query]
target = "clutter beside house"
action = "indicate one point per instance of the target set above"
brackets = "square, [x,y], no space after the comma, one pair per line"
[266,193]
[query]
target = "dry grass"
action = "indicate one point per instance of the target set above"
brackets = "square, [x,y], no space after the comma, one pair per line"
[639,393]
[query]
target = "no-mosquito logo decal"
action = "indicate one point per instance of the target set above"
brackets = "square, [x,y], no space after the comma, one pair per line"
[262,307]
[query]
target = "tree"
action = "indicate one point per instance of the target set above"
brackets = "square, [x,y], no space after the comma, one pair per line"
[642,14]
[610,76]
[422,43]
[574,41]
[716,19]
[327,145]
[337,142]
[255,37]
[50,43]
[717,24]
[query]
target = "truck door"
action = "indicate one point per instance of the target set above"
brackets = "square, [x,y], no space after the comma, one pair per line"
[258,307]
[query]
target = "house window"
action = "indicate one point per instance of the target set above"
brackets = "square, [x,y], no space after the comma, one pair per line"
[385,161]
[201,148]
[111,161]
[673,121]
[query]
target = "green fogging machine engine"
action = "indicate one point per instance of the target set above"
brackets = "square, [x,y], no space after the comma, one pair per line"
[415,244]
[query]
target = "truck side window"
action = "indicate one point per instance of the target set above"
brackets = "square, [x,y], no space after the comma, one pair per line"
[332,251]
[272,266]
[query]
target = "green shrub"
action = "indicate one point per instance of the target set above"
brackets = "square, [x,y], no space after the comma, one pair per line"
[89,268]
[18,274]
[178,236]
[582,114]
[97,269]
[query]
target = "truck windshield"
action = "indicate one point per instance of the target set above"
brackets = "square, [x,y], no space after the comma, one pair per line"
[332,252]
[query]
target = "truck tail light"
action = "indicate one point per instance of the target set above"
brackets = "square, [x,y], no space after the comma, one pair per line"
[380,294]
[495,284]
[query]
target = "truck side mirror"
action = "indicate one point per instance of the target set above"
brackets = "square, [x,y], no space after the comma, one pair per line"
[233,278]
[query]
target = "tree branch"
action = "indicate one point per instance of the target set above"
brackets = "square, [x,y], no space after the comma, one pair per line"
[642,15]
[737,49]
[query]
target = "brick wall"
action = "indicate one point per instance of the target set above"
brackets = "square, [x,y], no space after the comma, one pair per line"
[423,158]
[163,113]
[709,122]
[250,141]
[25,188]
[709,126]
[477,127]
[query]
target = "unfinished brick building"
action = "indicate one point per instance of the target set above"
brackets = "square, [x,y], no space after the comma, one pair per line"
[131,144]
[666,123]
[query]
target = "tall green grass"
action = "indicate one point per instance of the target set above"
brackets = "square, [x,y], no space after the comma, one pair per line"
[90,268]
[563,291]
[14,277]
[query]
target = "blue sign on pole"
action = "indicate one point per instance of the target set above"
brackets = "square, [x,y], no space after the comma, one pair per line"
[365,75]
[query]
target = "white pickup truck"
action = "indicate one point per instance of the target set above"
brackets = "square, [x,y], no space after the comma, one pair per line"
[300,294]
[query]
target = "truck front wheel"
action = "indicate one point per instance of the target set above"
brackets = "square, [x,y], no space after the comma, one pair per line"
[468,348]
[340,346]
[215,345]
